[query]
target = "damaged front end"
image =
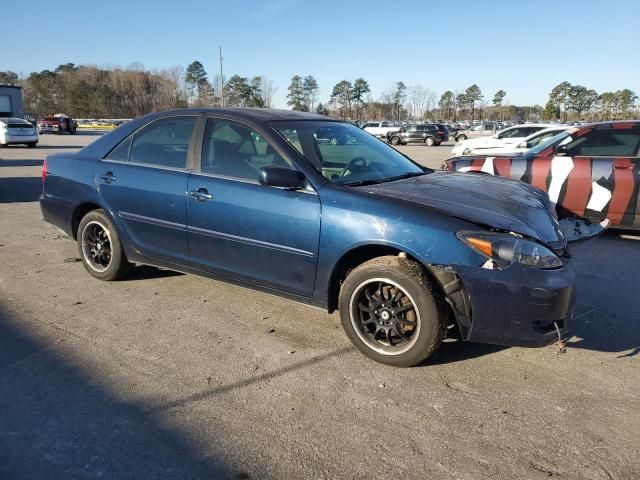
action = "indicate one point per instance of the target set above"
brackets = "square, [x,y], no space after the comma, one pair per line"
[579,230]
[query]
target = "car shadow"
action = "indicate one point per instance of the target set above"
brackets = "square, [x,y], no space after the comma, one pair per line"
[458,351]
[607,279]
[58,420]
[20,189]
[145,272]
[20,163]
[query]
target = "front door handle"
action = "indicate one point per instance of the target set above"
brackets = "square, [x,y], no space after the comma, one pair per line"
[201,194]
[108,177]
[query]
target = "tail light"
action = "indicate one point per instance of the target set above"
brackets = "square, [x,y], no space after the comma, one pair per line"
[44,170]
[441,132]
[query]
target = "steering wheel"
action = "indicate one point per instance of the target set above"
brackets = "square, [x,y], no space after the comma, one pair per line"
[352,164]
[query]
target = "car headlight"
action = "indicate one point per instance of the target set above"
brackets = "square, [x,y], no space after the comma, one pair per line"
[505,250]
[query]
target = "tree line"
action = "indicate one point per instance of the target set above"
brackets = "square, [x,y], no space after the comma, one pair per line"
[87,91]
[577,102]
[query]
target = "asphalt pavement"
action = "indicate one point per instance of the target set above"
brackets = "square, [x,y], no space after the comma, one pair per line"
[168,375]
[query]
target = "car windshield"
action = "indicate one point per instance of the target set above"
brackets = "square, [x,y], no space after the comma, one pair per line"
[548,142]
[345,154]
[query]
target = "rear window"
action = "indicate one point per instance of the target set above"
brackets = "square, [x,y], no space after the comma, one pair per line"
[19,125]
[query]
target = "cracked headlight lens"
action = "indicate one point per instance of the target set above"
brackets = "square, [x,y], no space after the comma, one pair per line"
[507,249]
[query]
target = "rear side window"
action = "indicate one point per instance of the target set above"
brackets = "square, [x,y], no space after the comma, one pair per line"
[513,132]
[121,152]
[164,142]
[606,143]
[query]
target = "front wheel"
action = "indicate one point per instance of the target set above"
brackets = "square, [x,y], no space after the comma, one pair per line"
[391,312]
[100,247]
[395,140]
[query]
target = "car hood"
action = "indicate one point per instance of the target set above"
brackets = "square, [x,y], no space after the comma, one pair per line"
[494,202]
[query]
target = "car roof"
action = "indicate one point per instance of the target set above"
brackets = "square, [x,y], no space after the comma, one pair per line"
[251,114]
[13,119]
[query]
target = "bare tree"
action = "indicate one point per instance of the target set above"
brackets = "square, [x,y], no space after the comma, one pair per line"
[268,91]
[417,95]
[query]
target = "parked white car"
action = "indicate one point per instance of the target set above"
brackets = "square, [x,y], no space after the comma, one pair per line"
[16,131]
[526,143]
[511,135]
[380,129]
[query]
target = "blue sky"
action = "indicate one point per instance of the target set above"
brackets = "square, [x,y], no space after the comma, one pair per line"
[523,47]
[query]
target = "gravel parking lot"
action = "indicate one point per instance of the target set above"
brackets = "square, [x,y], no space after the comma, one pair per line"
[168,375]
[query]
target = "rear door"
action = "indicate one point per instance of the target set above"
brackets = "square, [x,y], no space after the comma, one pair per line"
[241,229]
[143,183]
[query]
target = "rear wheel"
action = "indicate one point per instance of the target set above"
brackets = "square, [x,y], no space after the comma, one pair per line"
[429,141]
[391,312]
[100,247]
[461,138]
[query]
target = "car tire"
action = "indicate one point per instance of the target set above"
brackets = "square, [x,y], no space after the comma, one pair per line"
[100,247]
[395,141]
[429,141]
[391,311]
[461,138]
[437,144]
[31,145]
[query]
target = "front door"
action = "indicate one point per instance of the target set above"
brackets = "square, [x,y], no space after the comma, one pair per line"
[143,183]
[241,229]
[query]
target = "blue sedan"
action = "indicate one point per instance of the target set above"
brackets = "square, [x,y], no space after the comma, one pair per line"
[265,199]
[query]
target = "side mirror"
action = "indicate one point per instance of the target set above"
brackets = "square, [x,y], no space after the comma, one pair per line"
[560,150]
[523,145]
[495,135]
[282,177]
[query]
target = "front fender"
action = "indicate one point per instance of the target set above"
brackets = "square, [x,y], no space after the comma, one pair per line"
[352,219]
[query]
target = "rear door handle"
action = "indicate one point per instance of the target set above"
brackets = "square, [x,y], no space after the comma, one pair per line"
[623,167]
[201,194]
[108,177]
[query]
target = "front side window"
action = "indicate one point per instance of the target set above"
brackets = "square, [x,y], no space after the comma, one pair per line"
[164,142]
[606,143]
[538,139]
[234,150]
[357,158]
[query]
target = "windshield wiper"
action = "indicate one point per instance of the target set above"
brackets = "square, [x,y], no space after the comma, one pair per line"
[403,176]
[373,181]
[361,183]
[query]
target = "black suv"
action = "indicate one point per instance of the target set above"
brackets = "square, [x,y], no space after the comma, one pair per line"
[430,135]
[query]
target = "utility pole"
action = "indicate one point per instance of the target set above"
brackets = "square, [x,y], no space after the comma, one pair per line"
[221,79]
